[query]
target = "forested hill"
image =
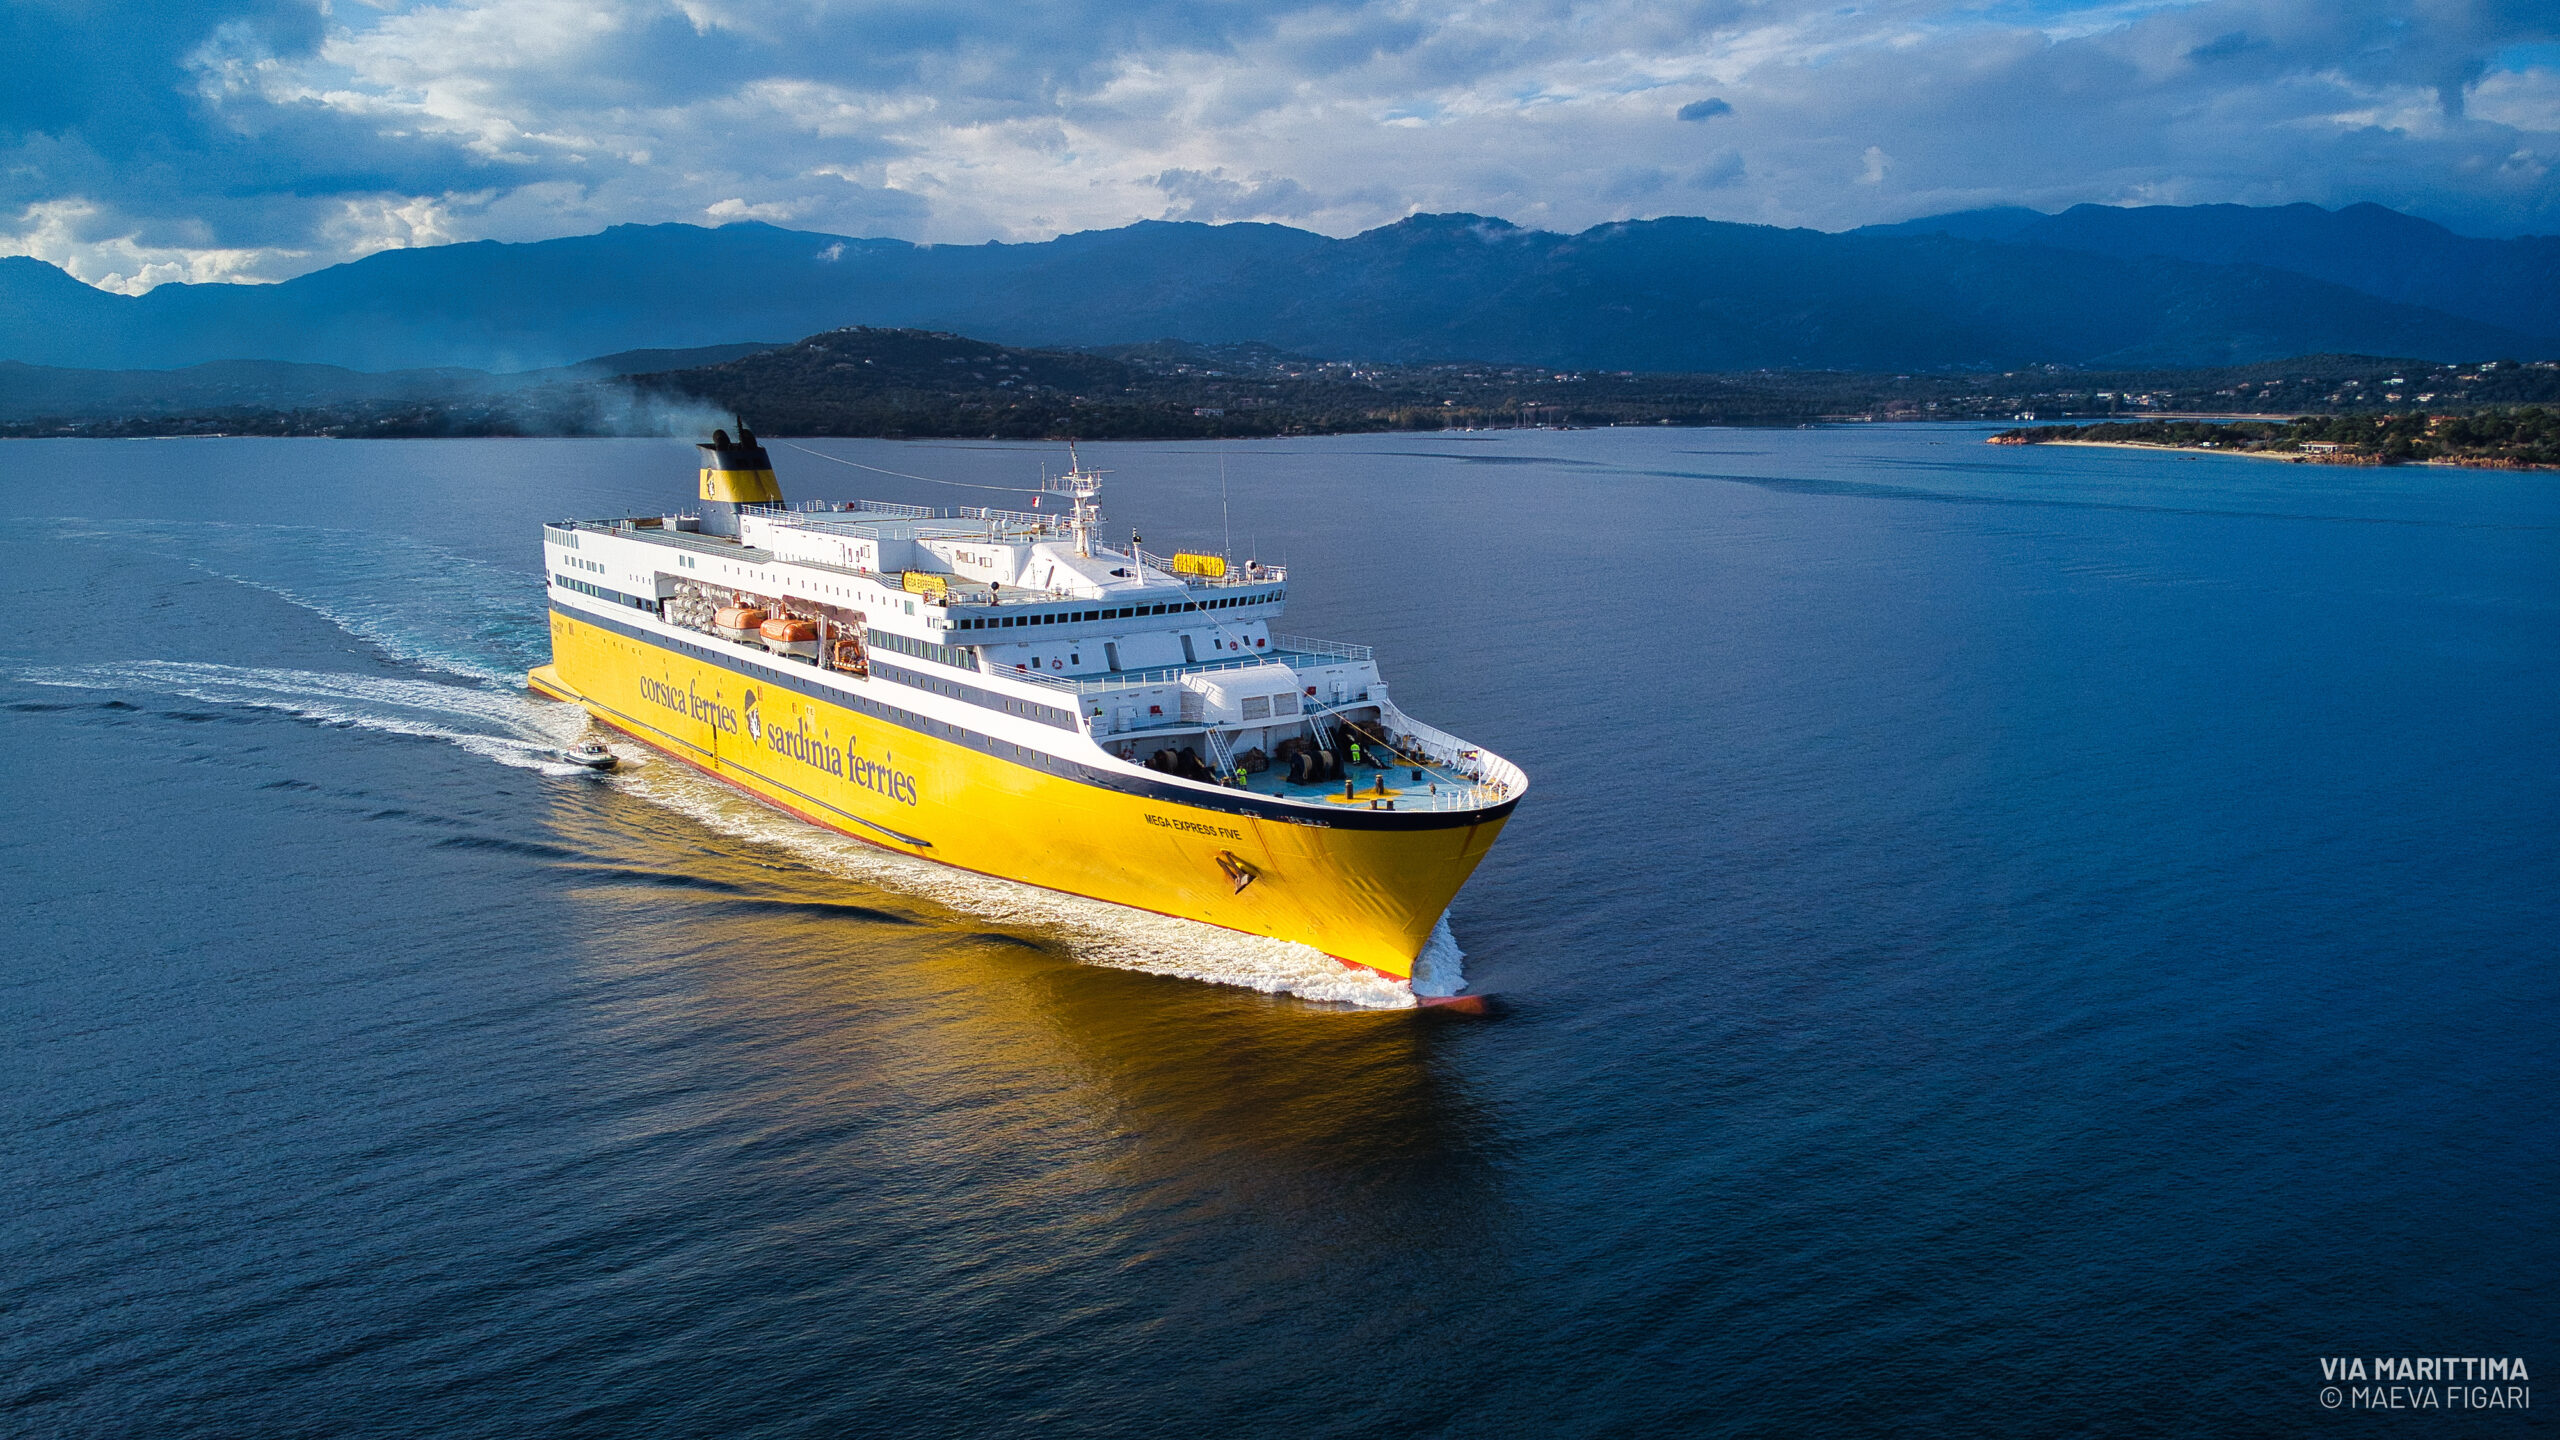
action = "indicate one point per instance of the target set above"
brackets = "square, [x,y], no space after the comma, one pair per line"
[886,382]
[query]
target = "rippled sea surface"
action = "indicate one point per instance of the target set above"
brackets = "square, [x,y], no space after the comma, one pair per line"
[2004,942]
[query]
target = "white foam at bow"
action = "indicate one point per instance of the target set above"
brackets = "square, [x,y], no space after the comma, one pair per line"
[1438,969]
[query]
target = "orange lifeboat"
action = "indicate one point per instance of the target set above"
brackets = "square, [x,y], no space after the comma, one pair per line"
[739,623]
[790,635]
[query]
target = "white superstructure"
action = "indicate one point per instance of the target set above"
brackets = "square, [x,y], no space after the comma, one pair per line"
[1025,628]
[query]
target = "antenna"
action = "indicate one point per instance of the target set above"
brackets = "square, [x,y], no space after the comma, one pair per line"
[1223,518]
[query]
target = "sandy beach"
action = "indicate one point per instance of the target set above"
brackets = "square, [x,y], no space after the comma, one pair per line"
[2291,457]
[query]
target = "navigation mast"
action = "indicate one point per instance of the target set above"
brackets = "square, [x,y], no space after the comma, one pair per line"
[1084,489]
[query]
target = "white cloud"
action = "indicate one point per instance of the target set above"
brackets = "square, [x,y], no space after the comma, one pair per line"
[370,223]
[79,235]
[2521,99]
[1211,195]
[778,212]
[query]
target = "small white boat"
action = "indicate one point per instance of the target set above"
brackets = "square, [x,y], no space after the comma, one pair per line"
[592,755]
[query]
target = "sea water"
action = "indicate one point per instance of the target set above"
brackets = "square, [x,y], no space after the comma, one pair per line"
[2001,941]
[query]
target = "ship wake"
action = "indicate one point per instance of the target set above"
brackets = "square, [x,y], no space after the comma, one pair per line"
[507,727]
[421,605]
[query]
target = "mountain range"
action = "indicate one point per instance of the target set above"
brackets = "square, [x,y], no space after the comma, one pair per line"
[1998,289]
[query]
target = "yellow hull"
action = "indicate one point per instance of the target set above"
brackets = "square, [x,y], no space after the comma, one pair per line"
[1363,888]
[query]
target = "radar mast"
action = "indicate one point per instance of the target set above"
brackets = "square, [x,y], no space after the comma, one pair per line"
[1083,488]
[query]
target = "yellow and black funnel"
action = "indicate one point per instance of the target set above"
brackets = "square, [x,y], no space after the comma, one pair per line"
[738,472]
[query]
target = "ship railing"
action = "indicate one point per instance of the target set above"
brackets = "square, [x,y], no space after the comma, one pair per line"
[1439,790]
[1238,575]
[1329,649]
[1027,675]
[960,591]
[1452,795]
[1250,573]
[1172,674]
[1118,679]
[1497,777]
[681,539]
[1032,520]
[859,508]
[1298,652]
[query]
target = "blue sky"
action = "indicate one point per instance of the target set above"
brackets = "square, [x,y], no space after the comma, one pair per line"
[142,143]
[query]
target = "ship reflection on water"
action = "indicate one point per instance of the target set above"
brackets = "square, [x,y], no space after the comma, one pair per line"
[835,1073]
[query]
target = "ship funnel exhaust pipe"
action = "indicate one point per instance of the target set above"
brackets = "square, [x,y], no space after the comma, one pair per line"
[736,475]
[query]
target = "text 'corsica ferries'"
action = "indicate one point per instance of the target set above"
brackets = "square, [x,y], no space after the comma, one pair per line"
[998,691]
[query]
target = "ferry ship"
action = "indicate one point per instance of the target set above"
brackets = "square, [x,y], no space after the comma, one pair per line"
[1000,691]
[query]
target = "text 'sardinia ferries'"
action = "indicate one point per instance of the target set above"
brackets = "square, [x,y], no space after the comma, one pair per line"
[996,690]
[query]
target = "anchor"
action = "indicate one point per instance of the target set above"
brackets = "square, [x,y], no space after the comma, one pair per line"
[1240,871]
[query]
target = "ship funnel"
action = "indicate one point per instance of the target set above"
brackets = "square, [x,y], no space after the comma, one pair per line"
[736,474]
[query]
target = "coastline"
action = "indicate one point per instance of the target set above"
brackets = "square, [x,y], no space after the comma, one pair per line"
[2294,458]
[2289,457]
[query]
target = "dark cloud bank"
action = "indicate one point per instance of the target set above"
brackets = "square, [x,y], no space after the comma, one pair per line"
[259,139]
